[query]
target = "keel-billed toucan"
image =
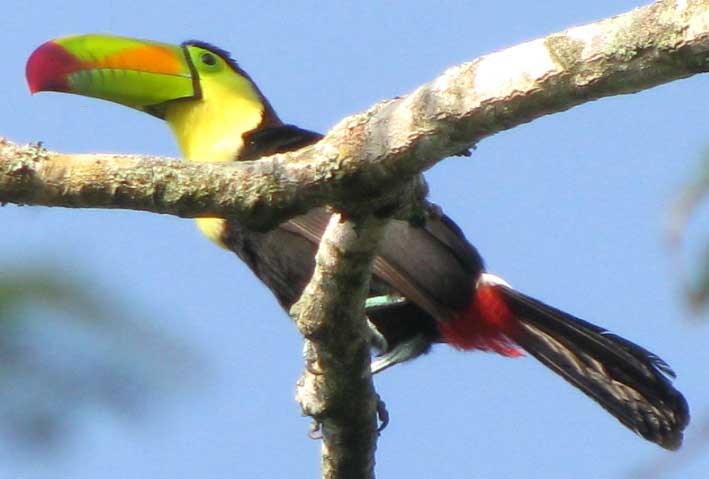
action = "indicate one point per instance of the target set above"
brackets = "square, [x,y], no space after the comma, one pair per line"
[218,113]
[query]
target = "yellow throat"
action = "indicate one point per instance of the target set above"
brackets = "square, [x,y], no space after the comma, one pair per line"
[211,128]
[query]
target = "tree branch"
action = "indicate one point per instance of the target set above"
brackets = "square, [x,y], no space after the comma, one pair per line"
[366,158]
[336,390]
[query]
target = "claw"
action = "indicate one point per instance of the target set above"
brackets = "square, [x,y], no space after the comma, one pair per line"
[311,360]
[377,339]
[402,352]
[382,414]
[315,431]
[310,366]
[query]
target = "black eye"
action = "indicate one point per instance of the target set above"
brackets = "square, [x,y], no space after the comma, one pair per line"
[208,59]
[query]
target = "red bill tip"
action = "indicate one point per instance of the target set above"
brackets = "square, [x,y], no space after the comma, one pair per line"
[49,66]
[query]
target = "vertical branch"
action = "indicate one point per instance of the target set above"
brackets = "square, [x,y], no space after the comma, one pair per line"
[336,389]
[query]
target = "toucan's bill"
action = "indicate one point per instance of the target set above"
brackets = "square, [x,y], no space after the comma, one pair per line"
[137,73]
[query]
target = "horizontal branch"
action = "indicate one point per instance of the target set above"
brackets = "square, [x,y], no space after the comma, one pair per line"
[368,160]
[261,194]
[656,44]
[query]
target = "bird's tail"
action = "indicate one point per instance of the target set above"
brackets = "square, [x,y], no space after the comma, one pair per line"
[629,381]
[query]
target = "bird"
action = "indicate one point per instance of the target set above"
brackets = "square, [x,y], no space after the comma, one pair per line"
[429,283]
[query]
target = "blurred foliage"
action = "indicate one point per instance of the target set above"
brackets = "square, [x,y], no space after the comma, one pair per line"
[66,353]
[686,208]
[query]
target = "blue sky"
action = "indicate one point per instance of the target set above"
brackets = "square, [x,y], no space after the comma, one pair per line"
[569,208]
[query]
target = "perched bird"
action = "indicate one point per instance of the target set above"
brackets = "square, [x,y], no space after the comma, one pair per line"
[429,283]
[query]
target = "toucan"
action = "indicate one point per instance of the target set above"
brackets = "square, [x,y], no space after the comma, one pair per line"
[429,284]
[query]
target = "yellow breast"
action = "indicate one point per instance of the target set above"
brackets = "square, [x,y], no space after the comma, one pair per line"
[212,228]
[211,129]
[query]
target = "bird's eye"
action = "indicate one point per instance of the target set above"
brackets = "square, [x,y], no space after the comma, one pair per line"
[208,59]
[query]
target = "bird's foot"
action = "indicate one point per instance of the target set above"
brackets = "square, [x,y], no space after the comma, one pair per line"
[400,353]
[315,431]
[382,414]
[311,359]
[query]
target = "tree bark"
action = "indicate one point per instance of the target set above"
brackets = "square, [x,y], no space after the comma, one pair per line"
[336,389]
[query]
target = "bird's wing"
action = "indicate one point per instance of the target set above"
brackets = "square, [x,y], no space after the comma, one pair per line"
[431,264]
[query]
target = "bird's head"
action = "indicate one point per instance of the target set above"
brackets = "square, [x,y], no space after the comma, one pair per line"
[197,88]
